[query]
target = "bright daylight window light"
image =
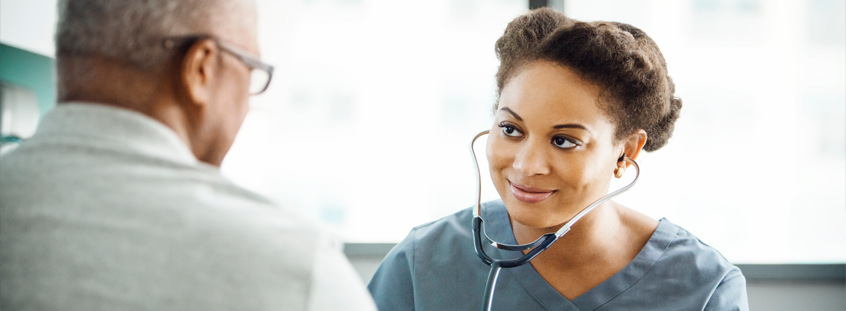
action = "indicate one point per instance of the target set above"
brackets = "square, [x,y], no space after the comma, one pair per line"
[366,124]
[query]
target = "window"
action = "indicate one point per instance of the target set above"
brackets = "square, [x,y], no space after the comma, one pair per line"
[366,124]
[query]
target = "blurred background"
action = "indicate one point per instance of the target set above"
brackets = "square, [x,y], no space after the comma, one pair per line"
[366,124]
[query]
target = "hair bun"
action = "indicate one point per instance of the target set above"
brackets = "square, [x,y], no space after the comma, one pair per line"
[660,132]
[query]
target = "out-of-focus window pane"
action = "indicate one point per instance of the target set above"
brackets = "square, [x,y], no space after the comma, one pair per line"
[366,124]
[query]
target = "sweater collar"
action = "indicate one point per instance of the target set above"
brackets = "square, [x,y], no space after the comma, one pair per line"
[113,127]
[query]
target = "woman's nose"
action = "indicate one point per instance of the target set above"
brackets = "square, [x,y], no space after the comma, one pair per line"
[531,160]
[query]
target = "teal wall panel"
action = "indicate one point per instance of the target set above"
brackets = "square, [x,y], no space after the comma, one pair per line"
[35,71]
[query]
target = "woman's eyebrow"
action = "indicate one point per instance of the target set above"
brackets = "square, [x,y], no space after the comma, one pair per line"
[570,125]
[559,126]
[512,113]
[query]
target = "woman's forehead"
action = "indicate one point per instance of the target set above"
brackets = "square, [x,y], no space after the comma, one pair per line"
[544,92]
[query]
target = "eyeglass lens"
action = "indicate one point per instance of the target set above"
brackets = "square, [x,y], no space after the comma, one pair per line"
[258,81]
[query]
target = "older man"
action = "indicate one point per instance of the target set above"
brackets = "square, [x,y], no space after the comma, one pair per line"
[117,202]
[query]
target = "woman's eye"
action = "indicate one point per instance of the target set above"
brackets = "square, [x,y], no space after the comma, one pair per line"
[510,130]
[563,143]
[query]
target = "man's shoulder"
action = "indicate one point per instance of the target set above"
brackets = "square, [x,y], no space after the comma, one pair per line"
[70,179]
[217,240]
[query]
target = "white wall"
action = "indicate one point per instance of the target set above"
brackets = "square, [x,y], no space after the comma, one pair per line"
[28,24]
[790,295]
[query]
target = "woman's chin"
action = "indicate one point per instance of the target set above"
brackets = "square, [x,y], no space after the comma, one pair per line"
[537,216]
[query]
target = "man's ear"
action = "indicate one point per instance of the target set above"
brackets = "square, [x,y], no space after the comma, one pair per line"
[633,144]
[199,68]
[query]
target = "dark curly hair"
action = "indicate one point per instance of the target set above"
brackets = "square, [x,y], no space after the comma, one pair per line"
[619,58]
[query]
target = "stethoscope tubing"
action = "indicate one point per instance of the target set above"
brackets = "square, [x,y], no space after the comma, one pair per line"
[537,247]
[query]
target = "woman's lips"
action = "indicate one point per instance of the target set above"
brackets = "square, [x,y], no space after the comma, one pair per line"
[528,194]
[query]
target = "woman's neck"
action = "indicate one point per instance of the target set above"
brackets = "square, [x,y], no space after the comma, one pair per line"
[588,238]
[596,247]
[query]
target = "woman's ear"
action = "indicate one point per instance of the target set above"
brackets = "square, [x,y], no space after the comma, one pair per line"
[633,144]
[199,69]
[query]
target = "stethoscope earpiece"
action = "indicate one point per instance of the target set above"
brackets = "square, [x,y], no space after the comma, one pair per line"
[620,170]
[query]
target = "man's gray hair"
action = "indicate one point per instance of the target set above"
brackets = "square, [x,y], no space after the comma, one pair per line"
[129,31]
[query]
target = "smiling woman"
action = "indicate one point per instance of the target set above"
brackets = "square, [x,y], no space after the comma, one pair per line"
[552,145]
[577,101]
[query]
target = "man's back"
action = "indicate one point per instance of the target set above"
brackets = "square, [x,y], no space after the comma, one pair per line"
[106,209]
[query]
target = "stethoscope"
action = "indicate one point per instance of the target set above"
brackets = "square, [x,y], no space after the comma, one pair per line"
[538,246]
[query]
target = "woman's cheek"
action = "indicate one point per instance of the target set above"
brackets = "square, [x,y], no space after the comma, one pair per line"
[496,153]
[592,174]
[498,160]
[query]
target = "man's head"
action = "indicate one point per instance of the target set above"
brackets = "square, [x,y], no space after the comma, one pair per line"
[172,60]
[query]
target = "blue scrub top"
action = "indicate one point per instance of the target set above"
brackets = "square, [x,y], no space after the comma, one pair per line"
[436,268]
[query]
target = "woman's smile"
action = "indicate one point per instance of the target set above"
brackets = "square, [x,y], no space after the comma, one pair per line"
[528,194]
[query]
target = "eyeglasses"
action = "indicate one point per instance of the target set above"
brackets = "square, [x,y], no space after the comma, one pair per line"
[260,72]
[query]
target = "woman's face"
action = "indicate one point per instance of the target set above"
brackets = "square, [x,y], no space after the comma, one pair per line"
[551,149]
